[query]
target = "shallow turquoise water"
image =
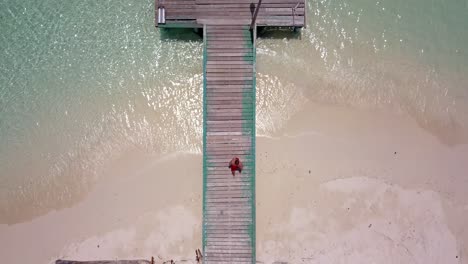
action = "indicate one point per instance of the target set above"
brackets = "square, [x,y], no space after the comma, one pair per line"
[82,81]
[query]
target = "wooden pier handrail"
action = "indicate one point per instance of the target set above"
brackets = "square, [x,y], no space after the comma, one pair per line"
[156,3]
[254,19]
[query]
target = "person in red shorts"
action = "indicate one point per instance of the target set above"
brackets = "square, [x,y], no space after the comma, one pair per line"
[235,165]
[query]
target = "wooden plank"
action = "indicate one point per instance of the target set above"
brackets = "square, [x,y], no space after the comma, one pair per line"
[233,257]
[224,126]
[232,251]
[243,13]
[247,136]
[235,33]
[239,138]
[103,262]
[228,192]
[229,43]
[249,122]
[226,222]
[212,219]
[226,101]
[215,235]
[236,49]
[231,205]
[231,95]
[225,174]
[209,9]
[230,246]
[230,255]
[227,140]
[230,152]
[227,242]
[221,21]
[228,78]
[226,158]
[229,71]
[229,59]
[218,184]
[247,5]
[230,63]
[172,16]
[211,2]
[227,108]
[225,144]
[229,82]
[222,169]
[222,217]
[224,53]
[229,197]
[222,221]
[232,180]
[235,113]
[248,85]
[280,21]
[227,116]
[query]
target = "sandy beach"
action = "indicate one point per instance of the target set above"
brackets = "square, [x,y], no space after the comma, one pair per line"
[336,185]
[361,125]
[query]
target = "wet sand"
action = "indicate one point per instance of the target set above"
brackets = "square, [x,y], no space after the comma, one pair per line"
[337,185]
[359,187]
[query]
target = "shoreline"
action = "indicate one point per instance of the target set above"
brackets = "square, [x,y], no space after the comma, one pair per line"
[403,207]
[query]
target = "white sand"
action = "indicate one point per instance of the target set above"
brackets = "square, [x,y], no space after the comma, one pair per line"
[330,189]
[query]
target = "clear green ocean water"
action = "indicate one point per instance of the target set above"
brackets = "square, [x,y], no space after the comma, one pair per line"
[83,81]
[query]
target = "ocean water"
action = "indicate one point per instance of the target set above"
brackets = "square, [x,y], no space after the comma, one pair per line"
[81,82]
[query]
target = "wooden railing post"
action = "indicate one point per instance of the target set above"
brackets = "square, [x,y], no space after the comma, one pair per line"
[294,14]
[156,13]
[254,19]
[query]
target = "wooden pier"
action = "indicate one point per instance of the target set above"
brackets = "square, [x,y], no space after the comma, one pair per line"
[229,131]
[229,31]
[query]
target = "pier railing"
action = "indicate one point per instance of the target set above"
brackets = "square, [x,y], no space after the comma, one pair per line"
[254,19]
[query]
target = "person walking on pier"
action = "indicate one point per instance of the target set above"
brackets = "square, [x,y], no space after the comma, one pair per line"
[235,165]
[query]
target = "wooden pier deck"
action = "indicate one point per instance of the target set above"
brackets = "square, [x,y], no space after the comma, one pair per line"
[229,130]
[196,13]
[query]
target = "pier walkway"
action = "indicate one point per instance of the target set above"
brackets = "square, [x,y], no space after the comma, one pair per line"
[229,31]
[229,130]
